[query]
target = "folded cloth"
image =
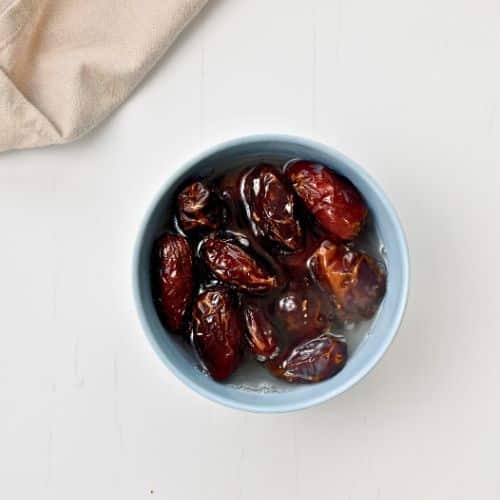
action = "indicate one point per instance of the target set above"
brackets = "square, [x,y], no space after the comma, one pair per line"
[66,64]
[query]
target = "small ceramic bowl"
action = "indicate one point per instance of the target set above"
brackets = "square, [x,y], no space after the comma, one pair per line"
[254,389]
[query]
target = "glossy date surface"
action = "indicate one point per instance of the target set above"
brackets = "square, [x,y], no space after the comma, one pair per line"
[355,279]
[217,333]
[260,334]
[333,201]
[173,278]
[234,266]
[313,360]
[304,311]
[198,208]
[272,207]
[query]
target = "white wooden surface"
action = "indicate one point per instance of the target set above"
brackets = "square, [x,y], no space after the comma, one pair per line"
[411,90]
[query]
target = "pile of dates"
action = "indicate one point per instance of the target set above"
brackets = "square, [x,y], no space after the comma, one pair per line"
[264,259]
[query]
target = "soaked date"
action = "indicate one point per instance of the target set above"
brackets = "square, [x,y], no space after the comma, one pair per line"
[173,277]
[198,208]
[271,207]
[217,333]
[333,201]
[260,334]
[232,265]
[311,361]
[355,280]
[304,311]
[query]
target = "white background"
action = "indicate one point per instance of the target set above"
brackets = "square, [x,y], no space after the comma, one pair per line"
[409,89]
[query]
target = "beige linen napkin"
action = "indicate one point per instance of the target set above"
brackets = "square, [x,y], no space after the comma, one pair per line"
[66,64]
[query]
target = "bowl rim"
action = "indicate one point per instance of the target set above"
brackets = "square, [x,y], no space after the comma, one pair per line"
[398,313]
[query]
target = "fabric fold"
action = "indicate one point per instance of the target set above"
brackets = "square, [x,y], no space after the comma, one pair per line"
[21,124]
[66,64]
[13,17]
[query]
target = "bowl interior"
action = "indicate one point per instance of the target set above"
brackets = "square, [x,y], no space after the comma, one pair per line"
[253,388]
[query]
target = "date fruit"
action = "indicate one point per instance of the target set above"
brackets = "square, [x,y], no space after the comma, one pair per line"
[217,333]
[232,265]
[197,208]
[335,203]
[312,361]
[174,279]
[304,311]
[260,334]
[355,280]
[271,207]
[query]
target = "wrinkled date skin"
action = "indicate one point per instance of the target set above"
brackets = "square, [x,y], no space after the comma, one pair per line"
[335,203]
[232,265]
[217,333]
[174,279]
[272,207]
[311,361]
[197,208]
[260,334]
[304,311]
[356,281]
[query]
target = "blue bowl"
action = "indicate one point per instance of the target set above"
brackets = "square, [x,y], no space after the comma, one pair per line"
[270,396]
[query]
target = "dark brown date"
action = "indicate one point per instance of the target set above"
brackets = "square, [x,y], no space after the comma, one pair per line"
[355,280]
[173,275]
[217,333]
[335,203]
[311,361]
[260,334]
[304,311]
[295,264]
[197,208]
[232,265]
[271,207]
